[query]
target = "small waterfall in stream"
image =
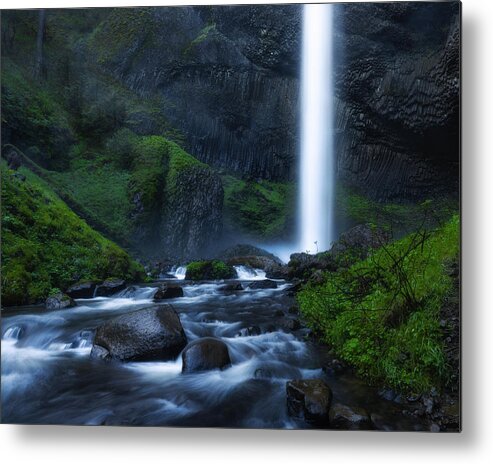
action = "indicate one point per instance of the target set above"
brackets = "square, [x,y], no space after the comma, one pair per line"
[316,176]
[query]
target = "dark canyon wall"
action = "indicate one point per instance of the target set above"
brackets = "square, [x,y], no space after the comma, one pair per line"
[228,79]
[223,82]
[397,87]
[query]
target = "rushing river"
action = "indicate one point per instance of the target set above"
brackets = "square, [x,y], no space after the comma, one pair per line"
[48,376]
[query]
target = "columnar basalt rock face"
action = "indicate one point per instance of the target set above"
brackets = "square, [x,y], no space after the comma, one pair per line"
[193,214]
[226,78]
[397,99]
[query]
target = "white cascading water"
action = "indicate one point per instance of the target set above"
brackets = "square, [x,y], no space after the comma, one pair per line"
[317,161]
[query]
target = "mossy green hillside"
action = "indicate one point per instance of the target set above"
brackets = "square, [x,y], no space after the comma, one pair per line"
[45,245]
[261,209]
[382,315]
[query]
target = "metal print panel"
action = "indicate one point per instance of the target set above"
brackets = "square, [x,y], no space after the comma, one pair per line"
[232,216]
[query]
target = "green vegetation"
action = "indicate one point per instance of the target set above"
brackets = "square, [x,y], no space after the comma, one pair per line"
[359,209]
[45,245]
[123,28]
[32,114]
[209,270]
[261,209]
[382,314]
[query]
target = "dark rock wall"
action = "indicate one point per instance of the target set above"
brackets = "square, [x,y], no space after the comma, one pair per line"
[227,79]
[397,106]
[192,219]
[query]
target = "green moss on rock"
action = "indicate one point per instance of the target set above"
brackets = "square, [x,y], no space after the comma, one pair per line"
[260,209]
[209,270]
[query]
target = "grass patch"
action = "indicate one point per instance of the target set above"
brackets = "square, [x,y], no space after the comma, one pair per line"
[382,315]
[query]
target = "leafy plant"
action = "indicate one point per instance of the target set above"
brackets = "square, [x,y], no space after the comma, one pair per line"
[382,314]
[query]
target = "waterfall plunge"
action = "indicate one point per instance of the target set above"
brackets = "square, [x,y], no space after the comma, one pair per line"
[317,159]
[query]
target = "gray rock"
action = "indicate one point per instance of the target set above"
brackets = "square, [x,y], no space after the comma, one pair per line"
[290,324]
[82,290]
[205,354]
[349,418]
[262,284]
[166,292]
[110,287]
[231,288]
[309,400]
[59,301]
[149,334]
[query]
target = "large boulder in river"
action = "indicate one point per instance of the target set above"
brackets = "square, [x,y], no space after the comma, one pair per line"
[166,292]
[83,289]
[309,400]
[205,354]
[349,418]
[110,287]
[59,301]
[149,334]
[209,270]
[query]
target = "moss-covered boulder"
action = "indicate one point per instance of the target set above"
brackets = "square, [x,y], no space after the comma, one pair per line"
[209,270]
[59,300]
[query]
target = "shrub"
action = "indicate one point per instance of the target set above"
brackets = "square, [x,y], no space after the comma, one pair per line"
[382,314]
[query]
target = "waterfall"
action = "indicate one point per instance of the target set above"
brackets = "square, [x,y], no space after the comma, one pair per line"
[315,216]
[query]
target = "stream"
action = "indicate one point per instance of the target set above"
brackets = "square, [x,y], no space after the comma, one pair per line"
[48,376]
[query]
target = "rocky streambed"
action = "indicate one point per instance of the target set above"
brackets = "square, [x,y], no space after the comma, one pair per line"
[224,354]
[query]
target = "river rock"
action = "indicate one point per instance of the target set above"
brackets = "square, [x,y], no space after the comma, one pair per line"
[110,287]
[302,265]
[262,284]
[59,301]
[309,400]
[359,241]
[230,288]
[380,423]
[205,354]
[250,331]
[290,324]
[149,334]
[166,292]
[245,251]
[349,418]
[82,290]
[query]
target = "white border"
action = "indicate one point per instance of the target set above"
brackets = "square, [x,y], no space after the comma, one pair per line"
[73,445]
